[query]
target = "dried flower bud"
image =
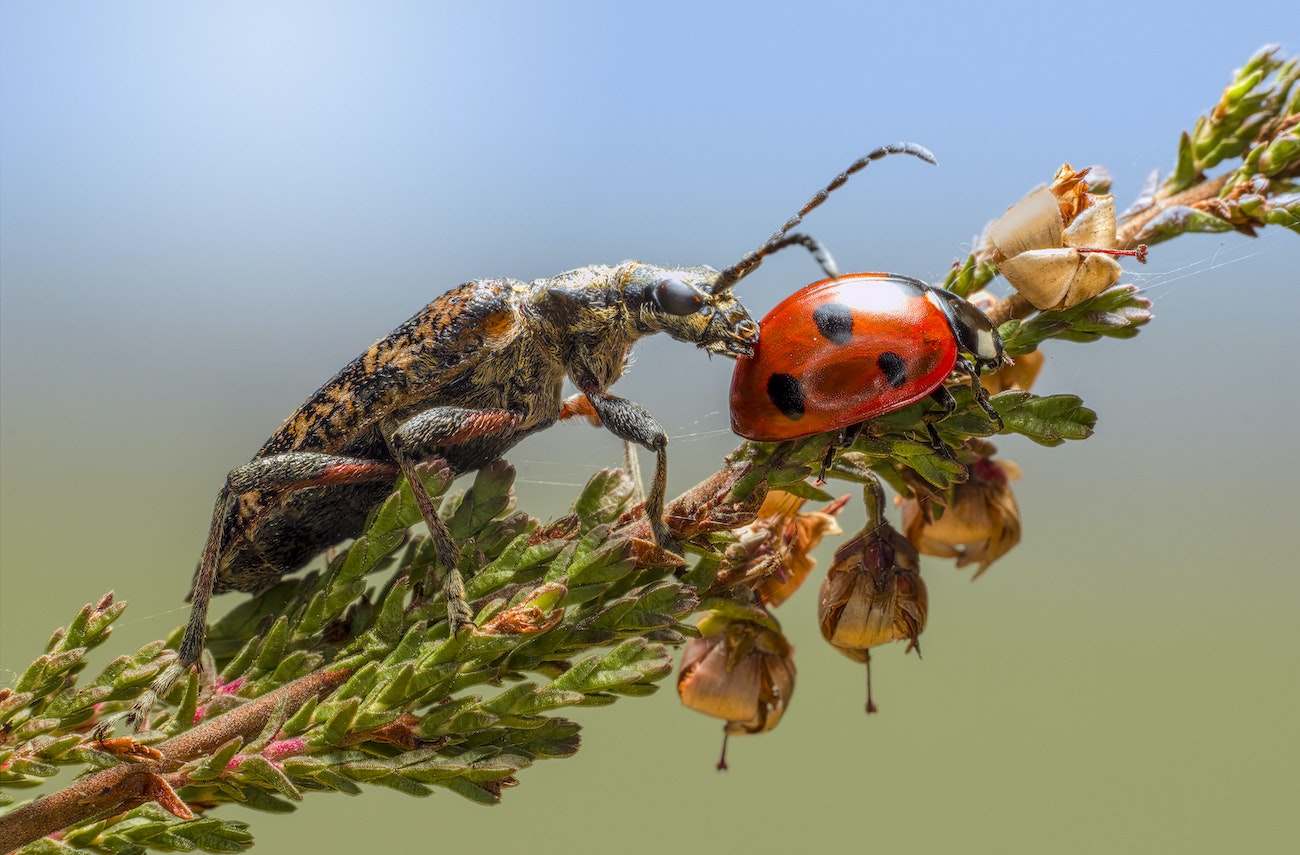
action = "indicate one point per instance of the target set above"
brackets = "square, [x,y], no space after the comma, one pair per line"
[741,670]
[773,554]
[873,593]
[979,521]
[1056,245]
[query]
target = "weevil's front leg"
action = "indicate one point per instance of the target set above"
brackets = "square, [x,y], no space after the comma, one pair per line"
[275,478]
[632,422]
[415,439]
[579,407]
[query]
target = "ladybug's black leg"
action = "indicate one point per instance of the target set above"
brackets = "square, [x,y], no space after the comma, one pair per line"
[944,399]
[417,438]
[842,440]
[981,397]
[831,447]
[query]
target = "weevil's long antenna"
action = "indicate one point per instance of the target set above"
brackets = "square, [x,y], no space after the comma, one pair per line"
[781,239]
[820,253]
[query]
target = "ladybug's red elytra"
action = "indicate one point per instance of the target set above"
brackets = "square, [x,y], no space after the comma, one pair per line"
[845,350]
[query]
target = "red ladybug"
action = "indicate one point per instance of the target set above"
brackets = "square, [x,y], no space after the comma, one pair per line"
[842,351]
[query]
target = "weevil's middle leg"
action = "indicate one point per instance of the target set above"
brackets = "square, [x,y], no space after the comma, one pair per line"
[411,440]
[580,407]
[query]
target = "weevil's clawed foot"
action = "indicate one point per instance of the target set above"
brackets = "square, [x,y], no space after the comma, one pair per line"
[137,716]
[460,616]
[664,537]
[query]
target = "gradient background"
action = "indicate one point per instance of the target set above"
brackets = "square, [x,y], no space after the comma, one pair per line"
[208,208]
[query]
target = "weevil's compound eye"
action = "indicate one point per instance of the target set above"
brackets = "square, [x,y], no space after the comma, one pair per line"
[676,296]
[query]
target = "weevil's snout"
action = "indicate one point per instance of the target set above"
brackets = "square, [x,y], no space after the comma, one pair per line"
[731,333]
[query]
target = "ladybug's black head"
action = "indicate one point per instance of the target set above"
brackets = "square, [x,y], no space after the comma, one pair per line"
[975,333]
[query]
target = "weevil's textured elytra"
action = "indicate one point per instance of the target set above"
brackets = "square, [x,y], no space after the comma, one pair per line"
[466,378]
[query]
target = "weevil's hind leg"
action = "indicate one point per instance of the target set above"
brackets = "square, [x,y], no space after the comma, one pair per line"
[632,466]
[459,614]
[191,646]
[418,437]
[275,477]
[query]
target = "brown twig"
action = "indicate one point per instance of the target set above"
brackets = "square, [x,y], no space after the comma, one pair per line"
[1130,234]
[129,785]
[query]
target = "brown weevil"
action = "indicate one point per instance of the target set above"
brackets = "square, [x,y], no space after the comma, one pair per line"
[470,375]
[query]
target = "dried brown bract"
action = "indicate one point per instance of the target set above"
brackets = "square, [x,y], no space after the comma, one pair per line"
[780,542]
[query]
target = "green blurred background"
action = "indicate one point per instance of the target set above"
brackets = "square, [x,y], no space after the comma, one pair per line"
[208,208]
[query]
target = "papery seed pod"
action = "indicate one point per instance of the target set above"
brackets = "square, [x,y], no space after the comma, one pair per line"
[873,593]
[976,522]
[740,669]
[1056,246]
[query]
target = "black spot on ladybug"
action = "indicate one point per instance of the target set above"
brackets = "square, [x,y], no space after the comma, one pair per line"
[893,367]
[786,393]
[835,321]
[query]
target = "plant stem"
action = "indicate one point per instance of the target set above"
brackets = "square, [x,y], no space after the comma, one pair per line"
[128,785]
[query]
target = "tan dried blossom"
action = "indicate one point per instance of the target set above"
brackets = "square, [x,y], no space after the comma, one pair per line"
[873,592]
[740,669]
[780,540]
[975,522]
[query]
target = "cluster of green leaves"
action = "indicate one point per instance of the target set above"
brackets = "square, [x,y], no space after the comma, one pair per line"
[406,717]
[43,715]
[147,827]
[1257,120]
